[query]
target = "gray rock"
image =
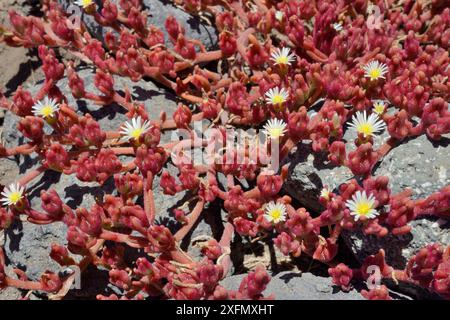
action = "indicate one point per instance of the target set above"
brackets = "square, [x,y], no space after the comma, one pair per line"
[27,247]
[298,286]
[399,249]
[419,164]
[158,11]
[310,172]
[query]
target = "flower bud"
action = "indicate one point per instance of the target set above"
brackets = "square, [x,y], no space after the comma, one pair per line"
[53,70]
[180,216]
[56,157]
[90,222]
[161,238]
[6,218]
[185,48]
[85,169]
[76,84]
[87,133]
[128,185]
[362,160]
[342,276]
[182,116]
[32,128]
[18,22]
[168,183]
[145,268]
[150,159]
[287,245]
[174,29]
[109,12]
[209,274]
[23,102]
[227,43]
[106,163]
[50,282]
[104,82]
[52,203]
[120,278]
[212,249]
[255,283]
[61,255]
[378,293]
[269,185]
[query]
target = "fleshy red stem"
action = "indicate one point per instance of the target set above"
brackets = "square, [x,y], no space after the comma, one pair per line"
[191,219]
[149,201]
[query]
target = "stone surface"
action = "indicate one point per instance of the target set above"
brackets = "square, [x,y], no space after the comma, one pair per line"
[298,286]
[27,247]
[309,173]
[399,249]
[158,11]
[419,164]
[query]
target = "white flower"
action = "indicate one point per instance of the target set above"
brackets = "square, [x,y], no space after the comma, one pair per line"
[379,107]
[375,70]
[277,96]
[45,108]
[275,212]
[337,26]
[362,206]
[368,126]
[325,193]
[279,15]
[134,129]
[12,194]
[84,3]
[275,128]
[282,56]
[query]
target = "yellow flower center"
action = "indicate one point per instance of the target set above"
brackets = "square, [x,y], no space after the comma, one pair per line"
[363,208]
[325,194]
[366,129]
[14,197]
[378,108]
[136,133]
[275,214]
[47,111]
[86,3]
[375,73]
[282,60]
[277,99]
[275,132]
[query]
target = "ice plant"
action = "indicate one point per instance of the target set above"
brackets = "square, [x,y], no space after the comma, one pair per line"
[12,194]
[379,107]
[277,96]
[134,129]
[46,108]
[282,57]
[297,70]
[275,212]
[375,70]
[275,128]
[362,205]
[366,125]
[325,193]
